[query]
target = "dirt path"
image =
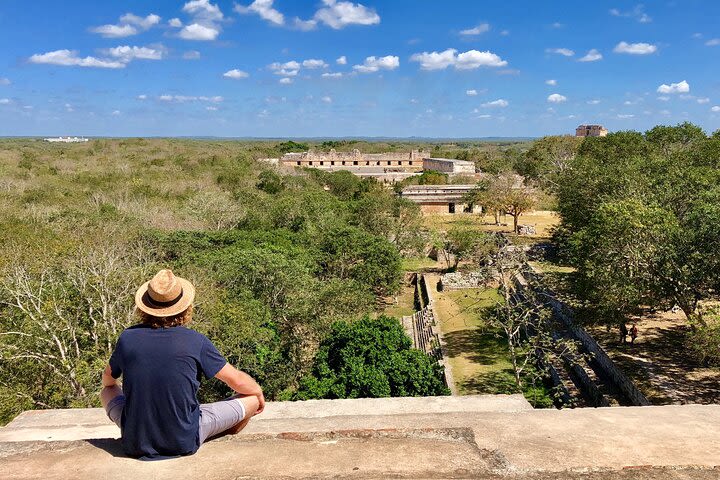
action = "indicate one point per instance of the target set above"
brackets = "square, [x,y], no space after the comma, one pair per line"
[658,361]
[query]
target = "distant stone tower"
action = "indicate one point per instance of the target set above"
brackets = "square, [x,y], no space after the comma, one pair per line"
[591,131]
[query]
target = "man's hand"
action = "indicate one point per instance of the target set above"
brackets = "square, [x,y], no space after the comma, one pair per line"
[261,401]
[241,383]
[107,378]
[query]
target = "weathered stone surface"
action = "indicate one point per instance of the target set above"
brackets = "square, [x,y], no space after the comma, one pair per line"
[669,442]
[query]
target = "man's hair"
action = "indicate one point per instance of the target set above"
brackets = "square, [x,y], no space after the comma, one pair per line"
[182,318]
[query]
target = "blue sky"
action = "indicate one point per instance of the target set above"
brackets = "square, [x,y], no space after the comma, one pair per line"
[337,68]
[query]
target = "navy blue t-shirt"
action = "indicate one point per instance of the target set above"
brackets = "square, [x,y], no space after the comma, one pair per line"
[161,369]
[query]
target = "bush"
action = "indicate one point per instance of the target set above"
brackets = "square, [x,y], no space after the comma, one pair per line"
[371,358]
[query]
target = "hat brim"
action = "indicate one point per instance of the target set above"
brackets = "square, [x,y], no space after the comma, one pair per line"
[145,304]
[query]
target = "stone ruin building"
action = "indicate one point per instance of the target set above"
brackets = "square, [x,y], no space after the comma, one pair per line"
[591,131]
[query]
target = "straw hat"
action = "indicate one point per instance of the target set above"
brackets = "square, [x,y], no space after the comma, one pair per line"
[165,295]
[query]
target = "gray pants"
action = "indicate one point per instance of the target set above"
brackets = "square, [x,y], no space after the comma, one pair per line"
[215,418]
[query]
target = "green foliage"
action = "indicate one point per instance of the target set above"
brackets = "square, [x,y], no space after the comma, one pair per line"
[352,253]
[639,219]
[270,182]
[547,158]
[703,341]
[370,358]
[291,146]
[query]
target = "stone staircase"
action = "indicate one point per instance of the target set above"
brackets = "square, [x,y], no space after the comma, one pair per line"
[432,437]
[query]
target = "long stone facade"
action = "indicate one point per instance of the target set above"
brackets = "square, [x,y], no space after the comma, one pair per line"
[447,199]
[387,167]
[332,160]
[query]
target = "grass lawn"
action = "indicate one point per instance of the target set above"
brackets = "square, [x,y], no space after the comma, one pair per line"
[542,220]
[417,264]
[405,303]
[478,358]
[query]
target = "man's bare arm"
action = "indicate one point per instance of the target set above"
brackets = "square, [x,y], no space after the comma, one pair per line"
[107,378]
[241,383]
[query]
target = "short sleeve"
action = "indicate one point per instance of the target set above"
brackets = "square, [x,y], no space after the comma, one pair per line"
[211,360]
[116,366]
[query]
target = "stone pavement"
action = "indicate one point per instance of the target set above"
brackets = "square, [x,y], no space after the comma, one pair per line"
[441,437]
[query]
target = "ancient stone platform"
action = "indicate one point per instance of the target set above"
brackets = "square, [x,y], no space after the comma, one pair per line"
[439,437]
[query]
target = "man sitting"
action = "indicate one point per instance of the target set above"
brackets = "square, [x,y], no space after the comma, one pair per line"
[161,362]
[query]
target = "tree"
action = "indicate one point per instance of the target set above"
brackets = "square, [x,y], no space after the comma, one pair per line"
[371,358]
[523,320]
[548,158]
[351,253]
[513,196]
[58,325]
[467,244]
[397,219]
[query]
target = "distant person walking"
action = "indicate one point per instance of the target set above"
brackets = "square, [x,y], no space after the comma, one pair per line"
[633,334]
[161,363]
[623,333]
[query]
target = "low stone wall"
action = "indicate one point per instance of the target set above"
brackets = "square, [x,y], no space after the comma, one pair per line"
[461,281]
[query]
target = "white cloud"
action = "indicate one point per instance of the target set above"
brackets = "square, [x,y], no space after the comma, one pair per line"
[191,55]
[464,61]
[435,60]
[484,116]
[337,15]
[341,60]
[635,48]
[142,97]
[332,75]
[478,30]
[593,102]
[557,25]
[556,98]
[592,56]
[211,109]
[471,93]
[474,59]
[143,23]
[175,23]
[129,25]
[199,32]
[4,101]
[373,64]
[663,98]
[326,99]
[5,81]
[313,63]
[286,81]
[127,54]
[703,100]
[69,58]
[206,18]
[496,103]
[116,113]
[637,13]
[305,25]
[625,116]
[565,52]
[680,87]
[714,42]
[235,74]
[287,69]
[551,82]
[115,31]
[264,8]
[203,10]
[188,98]
[715,109]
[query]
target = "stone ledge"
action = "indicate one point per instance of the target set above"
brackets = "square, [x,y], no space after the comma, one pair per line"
[669,442]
